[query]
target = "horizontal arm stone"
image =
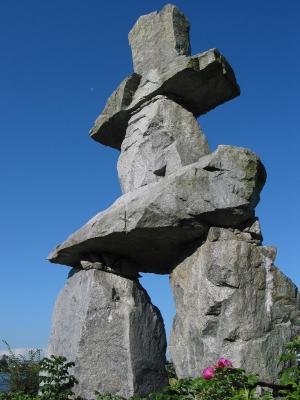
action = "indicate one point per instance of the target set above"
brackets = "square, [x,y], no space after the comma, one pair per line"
[154,224]
[199,83]
[114,118]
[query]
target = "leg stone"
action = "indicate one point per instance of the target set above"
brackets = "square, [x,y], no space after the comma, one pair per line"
[107,325]
[232,302]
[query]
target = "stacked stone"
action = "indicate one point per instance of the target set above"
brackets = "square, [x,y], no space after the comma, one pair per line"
[184,211]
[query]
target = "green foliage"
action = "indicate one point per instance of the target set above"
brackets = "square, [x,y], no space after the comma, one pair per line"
[227,384]
[170,370]
[246,395]
[24,371]
[56,382]
[108,396]
[3,364]
[17,396]
[291,372]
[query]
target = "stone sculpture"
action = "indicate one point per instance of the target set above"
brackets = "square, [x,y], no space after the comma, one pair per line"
[184,211]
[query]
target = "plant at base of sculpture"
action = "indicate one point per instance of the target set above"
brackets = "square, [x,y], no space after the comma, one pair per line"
[57,383]
[17,396]
[290,375]
[170,370]
[220,381]
[223,381]
[209,373]
[23,370]
[109,396]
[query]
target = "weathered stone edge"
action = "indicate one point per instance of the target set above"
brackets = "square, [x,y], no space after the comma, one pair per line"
[123,225]
[110,130]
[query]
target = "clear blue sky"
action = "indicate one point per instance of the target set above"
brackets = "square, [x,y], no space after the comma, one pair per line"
[60,60]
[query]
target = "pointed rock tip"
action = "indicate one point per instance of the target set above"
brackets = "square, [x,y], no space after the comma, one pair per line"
[169,8]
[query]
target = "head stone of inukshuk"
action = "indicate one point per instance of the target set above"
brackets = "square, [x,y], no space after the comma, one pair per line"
[185,211]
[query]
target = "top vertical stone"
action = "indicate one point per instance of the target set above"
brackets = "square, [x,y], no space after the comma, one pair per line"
[158,38]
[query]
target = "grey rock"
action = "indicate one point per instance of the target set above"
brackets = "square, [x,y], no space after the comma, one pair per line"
[216,233]
[96,265]
[110,263]
[159,37]
[152,225]
[114,117]
[249,232]
[107,325]
[231,301]
[253,227]
[198,83]
[161,137]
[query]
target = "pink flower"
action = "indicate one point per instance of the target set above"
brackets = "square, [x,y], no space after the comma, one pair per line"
[208,373]
[223,362]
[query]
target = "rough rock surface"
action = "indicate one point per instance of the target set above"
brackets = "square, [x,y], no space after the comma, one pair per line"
[221,189]
[110,263]
[161,137]
[107,325]
[114,117]
[199,83]
[231,301]
[158,38]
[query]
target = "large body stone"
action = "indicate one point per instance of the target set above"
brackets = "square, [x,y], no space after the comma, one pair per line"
[231,301]
[107,325]
[158,38]
[155,223]
[161,137]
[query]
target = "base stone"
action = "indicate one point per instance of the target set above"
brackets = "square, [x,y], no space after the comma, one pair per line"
[231,301]
[107,325]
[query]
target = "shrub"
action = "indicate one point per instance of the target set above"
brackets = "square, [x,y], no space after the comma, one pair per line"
[221,381]
[17,396]
[56,381]
[170,370]
[4,363]
[290,375]
[109,396]
[23,371]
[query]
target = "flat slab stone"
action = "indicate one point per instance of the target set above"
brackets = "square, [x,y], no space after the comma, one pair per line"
[107,325]
[114,117]
[161,138]
[231,301]
[153,224]
[159,37]
[199,84]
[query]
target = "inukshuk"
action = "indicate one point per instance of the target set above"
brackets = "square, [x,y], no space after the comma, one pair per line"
[185,211]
